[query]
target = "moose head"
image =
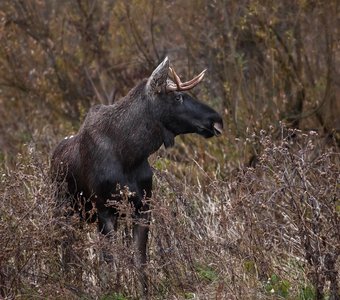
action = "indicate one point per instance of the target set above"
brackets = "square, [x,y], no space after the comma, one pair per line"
[179,112]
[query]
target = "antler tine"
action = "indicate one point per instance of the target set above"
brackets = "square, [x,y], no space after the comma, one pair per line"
[174,87]
[184,86]
[176,77]
[188,87]
[195,78]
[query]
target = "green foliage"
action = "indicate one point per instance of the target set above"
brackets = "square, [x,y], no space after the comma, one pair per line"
[277,286]
[189,295]
[161,164]
[250,266]
[337,203]
[307,293]
[206,273]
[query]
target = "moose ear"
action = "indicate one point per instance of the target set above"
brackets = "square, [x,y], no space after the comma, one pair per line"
[158,78]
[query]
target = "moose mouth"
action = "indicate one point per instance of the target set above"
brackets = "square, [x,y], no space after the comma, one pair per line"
[216,129]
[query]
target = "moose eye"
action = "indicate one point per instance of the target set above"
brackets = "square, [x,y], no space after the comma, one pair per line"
[179,98]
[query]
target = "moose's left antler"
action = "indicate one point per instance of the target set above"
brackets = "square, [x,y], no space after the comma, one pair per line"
[183,86]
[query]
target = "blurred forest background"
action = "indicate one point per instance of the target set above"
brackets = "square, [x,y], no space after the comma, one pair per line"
[267,61]
[273,73]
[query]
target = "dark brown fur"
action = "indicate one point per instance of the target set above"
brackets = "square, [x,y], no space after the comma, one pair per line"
[112,147]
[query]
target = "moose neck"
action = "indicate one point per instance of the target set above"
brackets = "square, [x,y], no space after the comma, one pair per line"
[133,128]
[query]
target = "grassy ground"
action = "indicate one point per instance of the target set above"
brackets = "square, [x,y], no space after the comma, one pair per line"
[218,231]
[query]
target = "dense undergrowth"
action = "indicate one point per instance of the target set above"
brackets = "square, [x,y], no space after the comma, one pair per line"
[270,231]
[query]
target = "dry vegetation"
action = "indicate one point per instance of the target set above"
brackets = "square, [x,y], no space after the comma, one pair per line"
[252,215]
[263,233]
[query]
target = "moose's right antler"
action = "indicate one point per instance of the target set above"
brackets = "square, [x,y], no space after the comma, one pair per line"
[183,86]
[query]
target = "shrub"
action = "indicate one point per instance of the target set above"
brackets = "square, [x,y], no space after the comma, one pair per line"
[261,232]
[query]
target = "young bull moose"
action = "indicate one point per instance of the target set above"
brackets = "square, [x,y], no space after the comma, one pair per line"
[112,147]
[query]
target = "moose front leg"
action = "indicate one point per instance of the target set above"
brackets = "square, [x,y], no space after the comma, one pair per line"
[107,225]
[140,237]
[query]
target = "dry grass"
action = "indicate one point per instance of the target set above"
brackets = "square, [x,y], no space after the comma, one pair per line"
[266,232]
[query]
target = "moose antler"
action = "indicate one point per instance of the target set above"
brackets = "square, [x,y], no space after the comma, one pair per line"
[183,86]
